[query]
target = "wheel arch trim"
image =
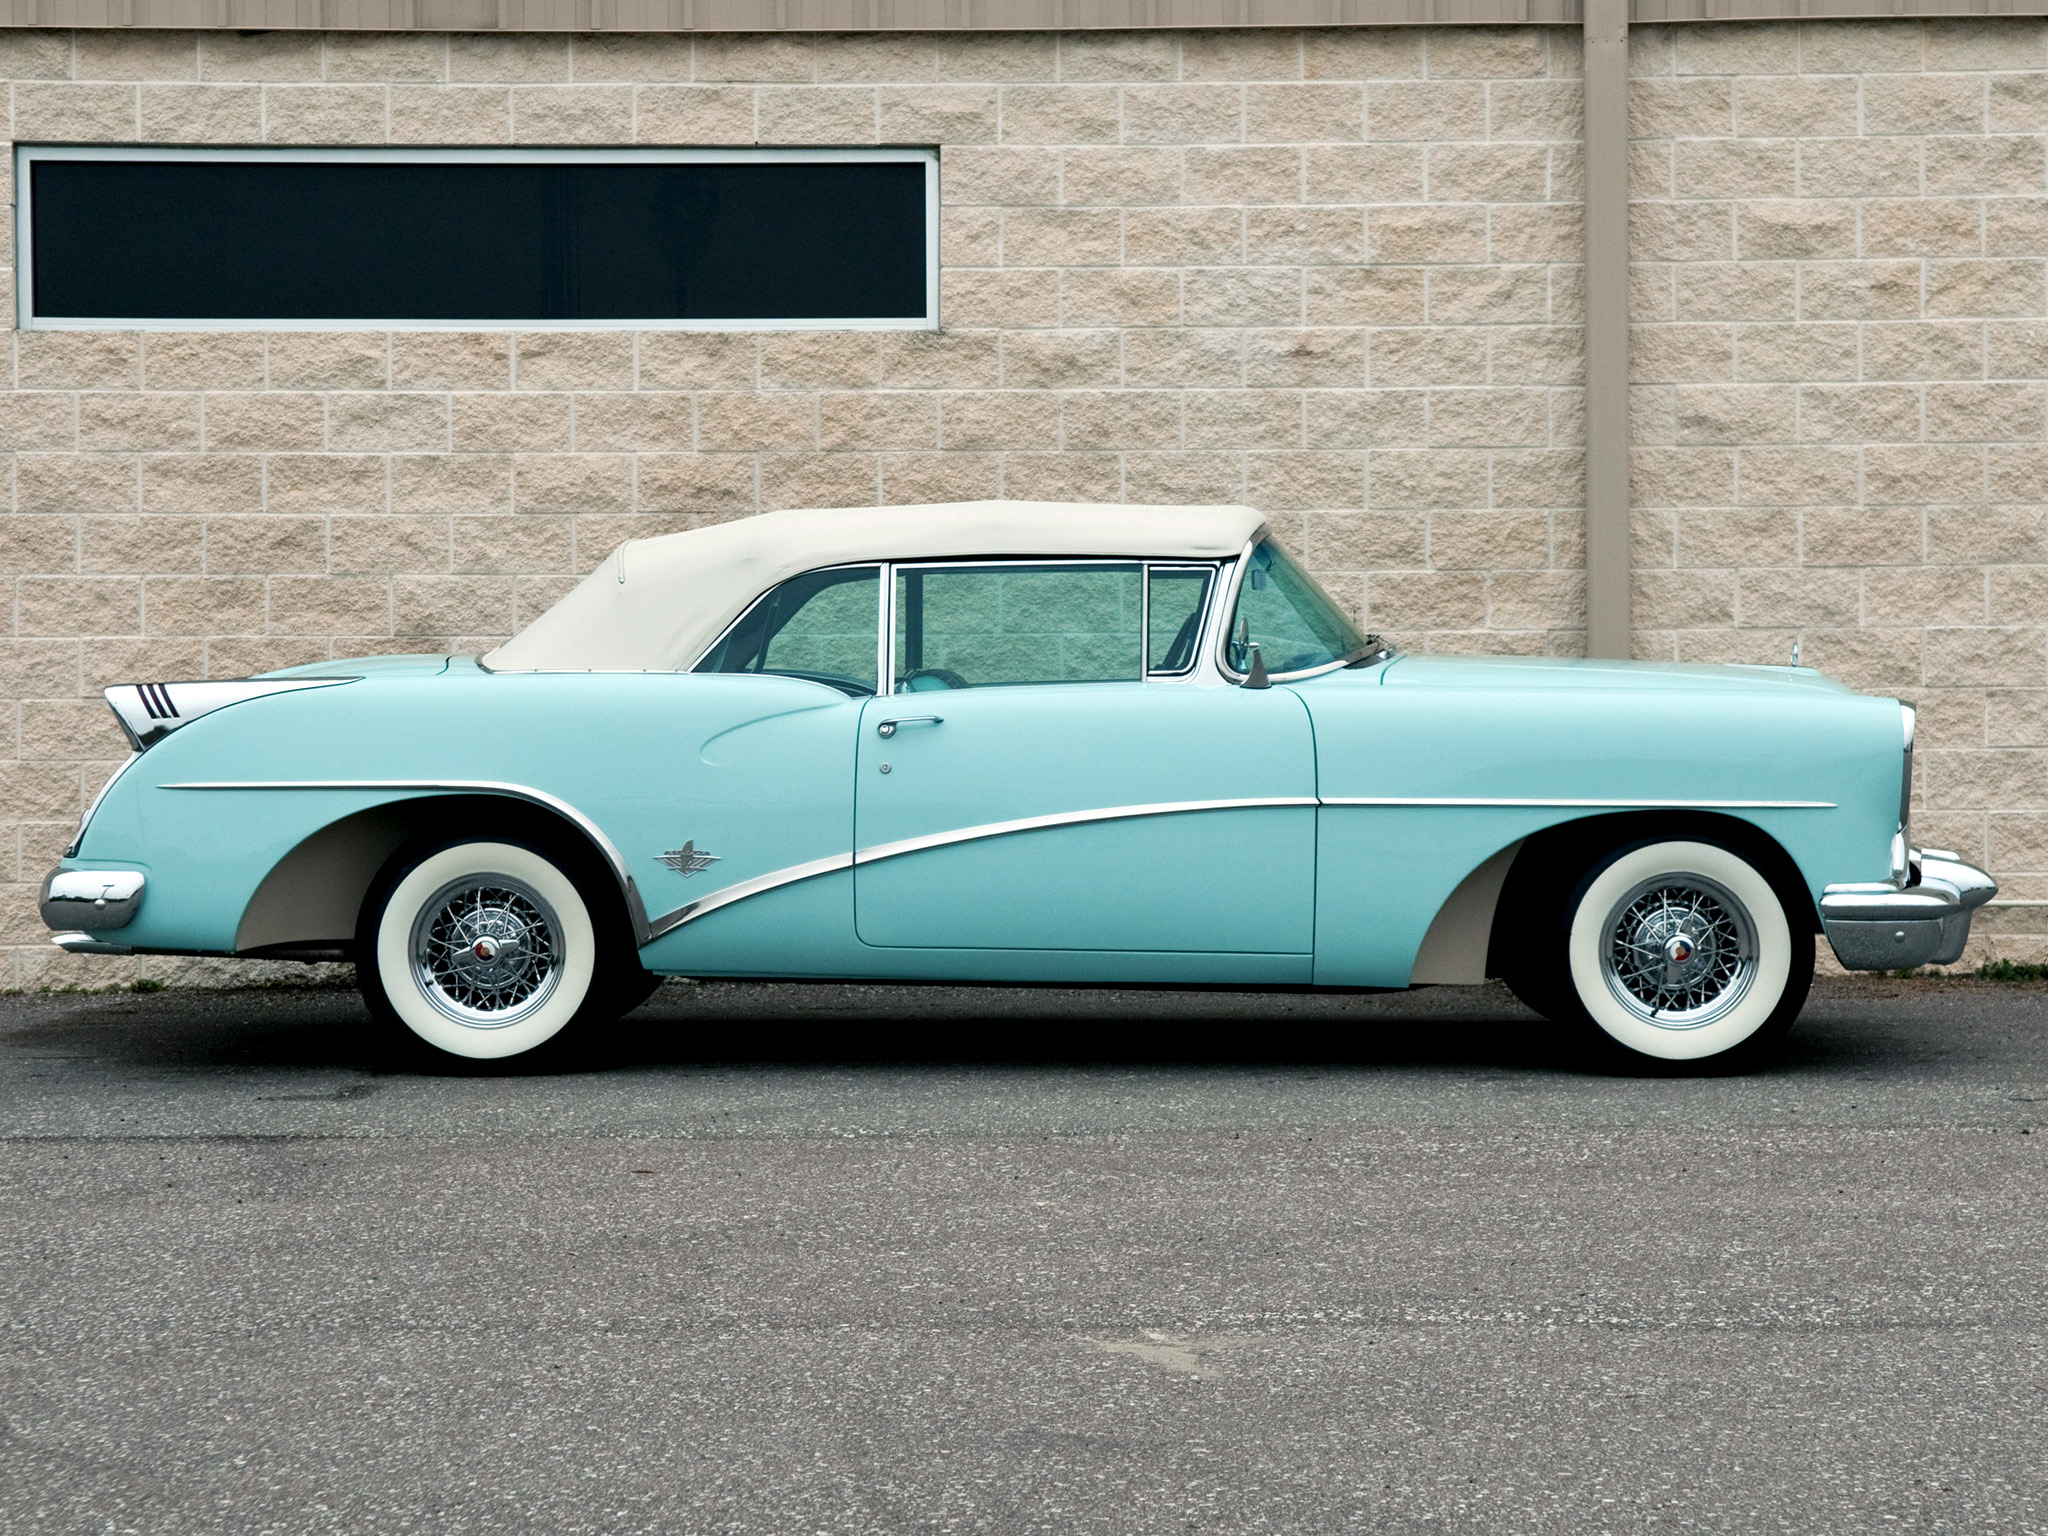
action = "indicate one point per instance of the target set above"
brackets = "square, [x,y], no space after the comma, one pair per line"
[629,891]
[1600,835]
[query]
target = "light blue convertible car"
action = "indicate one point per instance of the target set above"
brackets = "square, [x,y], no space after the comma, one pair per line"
[1011,742]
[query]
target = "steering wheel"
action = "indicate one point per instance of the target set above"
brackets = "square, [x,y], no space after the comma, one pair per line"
[925,679]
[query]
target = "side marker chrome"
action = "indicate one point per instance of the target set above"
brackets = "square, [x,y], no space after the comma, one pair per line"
[1598,805]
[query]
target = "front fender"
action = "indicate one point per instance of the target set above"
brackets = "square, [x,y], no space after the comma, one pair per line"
[1423,784]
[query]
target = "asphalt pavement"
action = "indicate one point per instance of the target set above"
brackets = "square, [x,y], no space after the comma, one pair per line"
[811,1259]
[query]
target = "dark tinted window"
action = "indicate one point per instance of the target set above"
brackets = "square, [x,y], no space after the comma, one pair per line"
[213,238]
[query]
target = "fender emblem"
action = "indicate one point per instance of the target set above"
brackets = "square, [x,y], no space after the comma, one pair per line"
[686,860]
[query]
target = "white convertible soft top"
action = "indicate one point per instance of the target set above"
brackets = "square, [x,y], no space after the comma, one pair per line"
[654,605]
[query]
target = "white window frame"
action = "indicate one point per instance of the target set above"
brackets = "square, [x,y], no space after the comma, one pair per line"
[26,155]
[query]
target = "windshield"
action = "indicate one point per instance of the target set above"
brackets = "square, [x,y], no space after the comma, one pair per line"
[1292,621]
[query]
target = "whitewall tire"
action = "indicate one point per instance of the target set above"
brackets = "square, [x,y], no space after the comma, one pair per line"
[1682,950]
[482,949]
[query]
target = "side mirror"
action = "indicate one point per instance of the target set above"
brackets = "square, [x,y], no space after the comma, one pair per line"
[1255,674]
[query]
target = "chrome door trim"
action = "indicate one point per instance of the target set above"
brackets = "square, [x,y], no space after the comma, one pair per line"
[1575,804]
[670,921]
[636,909]
[989,829]
[1145,620]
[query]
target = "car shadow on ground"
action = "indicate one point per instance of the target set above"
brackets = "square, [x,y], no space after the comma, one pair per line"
[742,1025]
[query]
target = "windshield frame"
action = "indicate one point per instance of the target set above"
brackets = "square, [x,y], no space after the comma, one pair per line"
[1370,647]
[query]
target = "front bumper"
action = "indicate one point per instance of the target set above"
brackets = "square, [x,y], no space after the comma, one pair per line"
[91,900]
[1924,922]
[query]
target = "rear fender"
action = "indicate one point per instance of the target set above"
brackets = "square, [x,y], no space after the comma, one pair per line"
[312,898]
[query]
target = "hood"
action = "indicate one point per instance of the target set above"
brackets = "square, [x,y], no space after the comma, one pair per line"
[367,666]
[1563,672]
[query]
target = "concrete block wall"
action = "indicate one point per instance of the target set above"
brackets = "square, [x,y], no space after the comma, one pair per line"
[1840,350]
[1330,273]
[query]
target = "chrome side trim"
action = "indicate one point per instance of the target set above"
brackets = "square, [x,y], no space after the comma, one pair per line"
[896,850]
[636,909]
[1611,805]
[690,912]
[647,929]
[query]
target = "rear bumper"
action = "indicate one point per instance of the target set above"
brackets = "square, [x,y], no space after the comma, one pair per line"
[1925,922]
[91,900]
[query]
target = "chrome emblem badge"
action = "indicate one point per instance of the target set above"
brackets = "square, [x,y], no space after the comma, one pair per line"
[686,860]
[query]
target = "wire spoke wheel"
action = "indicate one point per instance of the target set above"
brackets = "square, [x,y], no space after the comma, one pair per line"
[1680,951]
[487,950]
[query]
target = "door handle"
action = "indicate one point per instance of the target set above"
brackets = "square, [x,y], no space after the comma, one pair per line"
[888,727]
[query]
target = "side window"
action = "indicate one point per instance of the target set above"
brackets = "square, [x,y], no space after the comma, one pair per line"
[982,626]
[821,626]
[1175,599]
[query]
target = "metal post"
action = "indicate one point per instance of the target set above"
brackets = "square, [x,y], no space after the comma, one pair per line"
[1607,523]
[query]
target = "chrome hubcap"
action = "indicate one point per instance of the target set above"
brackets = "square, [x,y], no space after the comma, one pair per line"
[487,951]
[1680,951]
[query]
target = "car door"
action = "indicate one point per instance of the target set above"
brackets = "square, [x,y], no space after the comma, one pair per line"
[755,768]
[1044,775]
